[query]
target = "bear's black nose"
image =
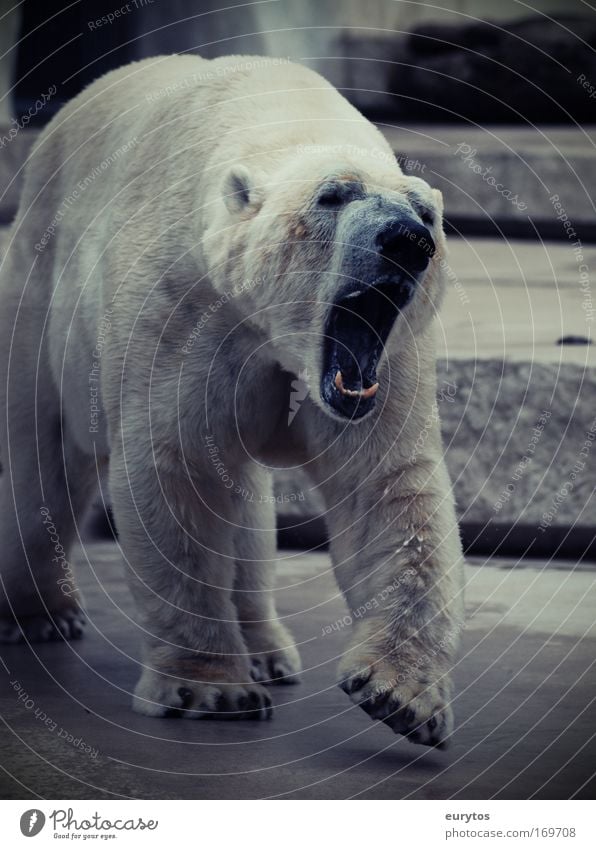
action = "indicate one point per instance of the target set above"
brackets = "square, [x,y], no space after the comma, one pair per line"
[406,244]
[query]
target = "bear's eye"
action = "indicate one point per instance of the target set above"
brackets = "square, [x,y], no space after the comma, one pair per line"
[333,195]
[427,217]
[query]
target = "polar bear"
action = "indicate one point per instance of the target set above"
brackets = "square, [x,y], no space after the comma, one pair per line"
[192,235]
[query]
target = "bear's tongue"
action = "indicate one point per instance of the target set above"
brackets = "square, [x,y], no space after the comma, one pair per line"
[356,330]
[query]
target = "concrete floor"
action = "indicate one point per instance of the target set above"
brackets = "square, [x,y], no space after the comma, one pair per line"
[508,299]
[524,707]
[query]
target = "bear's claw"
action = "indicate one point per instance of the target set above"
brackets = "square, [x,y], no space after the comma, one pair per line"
[418,711]
[162,696]
[43,628]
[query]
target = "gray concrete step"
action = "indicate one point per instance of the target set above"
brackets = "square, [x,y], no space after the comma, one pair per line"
[517,179]
[513,300]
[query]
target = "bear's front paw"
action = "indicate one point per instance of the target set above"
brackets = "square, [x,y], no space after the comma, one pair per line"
[161,695]
[409,704]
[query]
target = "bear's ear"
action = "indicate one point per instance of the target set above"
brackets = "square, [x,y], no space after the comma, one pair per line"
[438,198]
[239,191]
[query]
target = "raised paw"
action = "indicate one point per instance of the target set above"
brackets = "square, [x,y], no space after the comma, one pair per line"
[418,709]
[65,624]
[165,696]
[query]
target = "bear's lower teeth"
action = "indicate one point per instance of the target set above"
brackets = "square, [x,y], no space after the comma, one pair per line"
[355,393]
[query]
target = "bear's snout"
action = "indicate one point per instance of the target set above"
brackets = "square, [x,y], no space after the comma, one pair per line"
[383,251]
[380,238]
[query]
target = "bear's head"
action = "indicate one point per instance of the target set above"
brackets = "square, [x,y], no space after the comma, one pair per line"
[334,261]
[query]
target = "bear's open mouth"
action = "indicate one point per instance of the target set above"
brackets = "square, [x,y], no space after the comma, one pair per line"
[356,330]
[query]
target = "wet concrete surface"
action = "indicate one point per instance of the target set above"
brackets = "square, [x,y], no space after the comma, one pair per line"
[525,725]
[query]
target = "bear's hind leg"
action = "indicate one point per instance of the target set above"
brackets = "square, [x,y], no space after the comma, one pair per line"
[45,485]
